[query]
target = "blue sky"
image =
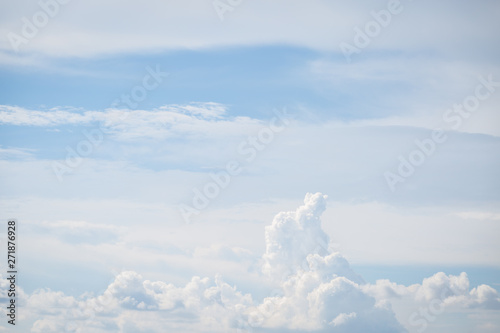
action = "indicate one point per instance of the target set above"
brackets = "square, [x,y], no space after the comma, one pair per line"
[264,172]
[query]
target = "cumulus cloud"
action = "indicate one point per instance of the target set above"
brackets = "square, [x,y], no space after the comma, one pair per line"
[311,288]
[295,241]
[202,304]
[442,289]
[320,290]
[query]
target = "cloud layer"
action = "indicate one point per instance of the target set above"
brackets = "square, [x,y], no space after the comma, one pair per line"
[310,288]
[316,24]
[195,119]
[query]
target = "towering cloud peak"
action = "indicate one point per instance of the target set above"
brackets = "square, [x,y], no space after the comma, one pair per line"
[312,289]
[320,291]
[294,235]
[295,242]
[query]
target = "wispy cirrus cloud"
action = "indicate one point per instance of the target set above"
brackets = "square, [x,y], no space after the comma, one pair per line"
[162,122]
[15,115]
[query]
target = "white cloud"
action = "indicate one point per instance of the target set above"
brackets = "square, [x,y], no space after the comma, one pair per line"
[438,301]
[194,119]
[295,241]
[434,86]
[217,306]
[426,233]
[15,153]
[319,292]
[450,290]
[15,115]
[194,24]
[202,304]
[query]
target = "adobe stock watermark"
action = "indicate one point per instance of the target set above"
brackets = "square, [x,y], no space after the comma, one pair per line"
[248,149]
[223,6]
[31,27]
[94,138]
[454,118]
[428,314]
[372,29]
